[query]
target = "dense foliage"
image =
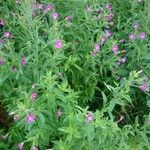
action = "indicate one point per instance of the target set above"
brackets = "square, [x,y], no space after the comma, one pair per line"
[74,75]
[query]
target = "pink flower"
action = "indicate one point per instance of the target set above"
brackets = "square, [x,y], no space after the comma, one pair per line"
[89,117]
[39,6]
[1,41]
[144,87]
[6,34]
[122,41]
[48,7]
[123,60]
[110,17]
[33,14]
[132,36]
[20,146]
[33,96]
[142,35]
[69,18]
[115,49]
[107,33]
[58,44]
[24,61]
[55,15]
[108,6]
[2,22]
[103,39]
[30,118]
[97,47]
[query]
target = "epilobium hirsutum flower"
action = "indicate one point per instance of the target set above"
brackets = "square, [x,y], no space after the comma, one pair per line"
[123,60]
[48,7]
[20,146]
[58,44]
[142,35]
[110,17]
[102,39]
[115,49]
[2,22]
[6,34]
[39,6]
[24,61]
[96,49]
[107,33]
[132,36]
[55,15]
[122,41]
[108,6]
[69,18]
[89,117]
[144,87]
[1,41]
[33,96]
[30,118]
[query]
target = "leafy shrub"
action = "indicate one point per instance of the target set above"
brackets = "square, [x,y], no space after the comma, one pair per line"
[74,75]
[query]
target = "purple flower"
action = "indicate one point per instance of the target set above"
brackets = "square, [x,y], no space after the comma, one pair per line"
[103,39]
[142,35]
[24,61]
[6,34]
[69,18]
[20,146]
[33,96]
[1,41]
[132,36]
[108,6]
[30,118]
[89,117]
[123,60]
[122,41]
[58,44]
[115,49]
[55,15]
[2,22]
[1,61]
[96,47]
[107,33]
[16,118]
[110,17]
[39,6]
[48,7]
[144,87]
[33,14]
